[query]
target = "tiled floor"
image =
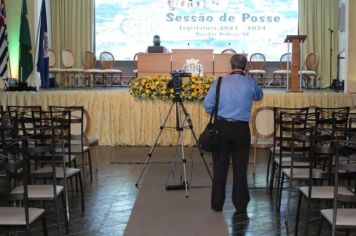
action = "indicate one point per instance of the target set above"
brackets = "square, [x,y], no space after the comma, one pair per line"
[111,196]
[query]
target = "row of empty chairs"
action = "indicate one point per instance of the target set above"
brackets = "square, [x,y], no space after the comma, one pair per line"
[39,151]
[256,68]
[308,73]
[89,75]
[314,146]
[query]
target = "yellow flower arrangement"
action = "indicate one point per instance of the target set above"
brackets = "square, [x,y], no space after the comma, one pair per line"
[193,88]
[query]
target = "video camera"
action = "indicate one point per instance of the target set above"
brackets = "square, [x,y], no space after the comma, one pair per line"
[176,81]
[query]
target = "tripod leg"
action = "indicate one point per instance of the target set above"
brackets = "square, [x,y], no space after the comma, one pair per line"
[187,117]
[149,155]
[180,149]
[184,161]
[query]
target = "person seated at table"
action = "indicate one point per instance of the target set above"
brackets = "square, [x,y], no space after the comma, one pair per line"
[157,48]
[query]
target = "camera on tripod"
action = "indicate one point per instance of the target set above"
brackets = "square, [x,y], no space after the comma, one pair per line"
[176,81]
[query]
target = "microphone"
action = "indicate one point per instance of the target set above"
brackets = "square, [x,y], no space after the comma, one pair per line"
[229,45]
[331,30]
[188,45]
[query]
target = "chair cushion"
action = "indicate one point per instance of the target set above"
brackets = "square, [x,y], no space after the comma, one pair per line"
[93,71]
[39,192]
[73,70]
[344,217]
[16,215]
[59,171]
[280,72]
[78,149]
[112,71]
[324,192]
[262,142]
[286,162]
[307,72]
[302,173]
[93,141]
[56,70]
[257,72]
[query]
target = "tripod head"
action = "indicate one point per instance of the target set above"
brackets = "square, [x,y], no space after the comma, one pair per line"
[176,83]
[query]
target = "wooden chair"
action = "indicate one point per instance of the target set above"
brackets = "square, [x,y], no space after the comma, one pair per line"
[262,135]
[282,72]
[107,61]
[60,121]
[15,166]
[310,74]
[90,70]
[76,135]
[68,61]
[343,213]
[135,71]
[228,51]
[281,149]
[91,141]
[256,67]
[52,66]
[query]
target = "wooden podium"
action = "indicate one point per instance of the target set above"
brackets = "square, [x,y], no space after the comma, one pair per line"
[293,79]
[205,57]
[154,64]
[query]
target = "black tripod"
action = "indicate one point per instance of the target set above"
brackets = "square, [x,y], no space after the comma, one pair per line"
[179,107]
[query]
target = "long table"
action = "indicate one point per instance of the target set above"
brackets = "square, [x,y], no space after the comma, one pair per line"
[164,63]
[117,118]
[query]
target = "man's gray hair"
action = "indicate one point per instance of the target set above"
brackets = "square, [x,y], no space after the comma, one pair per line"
[238,61]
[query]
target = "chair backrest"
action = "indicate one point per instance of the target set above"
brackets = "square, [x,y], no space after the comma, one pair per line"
[333,120]
[23,112]
[261,117]
[135,58]
[257,61]
[89,60]
[68,58]
[107,60]
[283,118]
[284,60]
[312,61]
[228,51]
[52,57]
[76,122]
[344,167]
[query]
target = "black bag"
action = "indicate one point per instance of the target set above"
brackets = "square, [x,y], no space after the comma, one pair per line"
[209,138]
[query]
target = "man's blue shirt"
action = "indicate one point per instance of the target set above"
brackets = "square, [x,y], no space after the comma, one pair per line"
[237,92]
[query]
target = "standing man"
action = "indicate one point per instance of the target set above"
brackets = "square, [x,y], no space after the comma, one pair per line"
[237,93]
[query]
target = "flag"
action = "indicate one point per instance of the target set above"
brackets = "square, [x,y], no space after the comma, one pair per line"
[4,53]
[42,59]
[26,63]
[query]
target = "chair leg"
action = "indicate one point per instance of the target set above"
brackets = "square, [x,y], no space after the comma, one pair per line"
[44,225]
[64,205]
[56,205]
[254,158]
[297,214]
[290,185]
[90,167]
[320,225]
[268,167]
[271,181]
[307,217]
[279,193]
[81,192]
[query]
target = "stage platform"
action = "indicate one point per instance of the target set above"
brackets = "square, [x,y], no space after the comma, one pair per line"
[117,118]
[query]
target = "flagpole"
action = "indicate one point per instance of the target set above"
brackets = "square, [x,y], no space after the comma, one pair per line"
[37,39]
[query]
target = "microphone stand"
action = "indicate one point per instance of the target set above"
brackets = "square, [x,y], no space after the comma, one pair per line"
[331,56]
